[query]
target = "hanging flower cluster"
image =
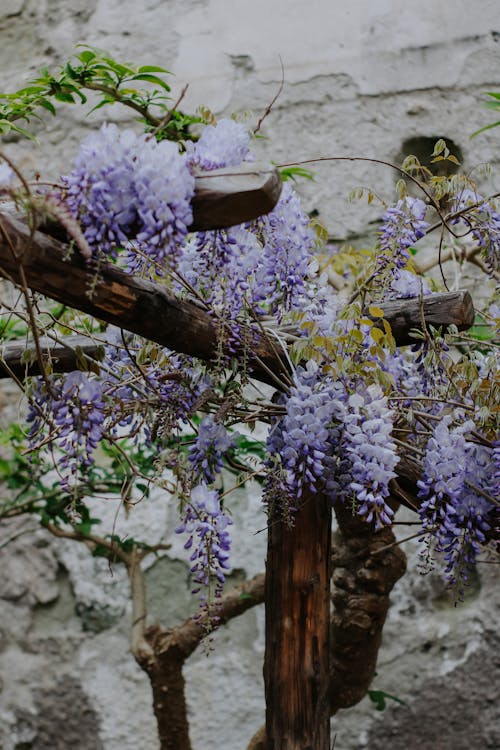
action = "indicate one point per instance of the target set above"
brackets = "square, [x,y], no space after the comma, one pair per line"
[226,144]
[339,443]
[73,409]
[212,442]
[403,224]
[483,221]
[130,191]
[209,541]
[455,473]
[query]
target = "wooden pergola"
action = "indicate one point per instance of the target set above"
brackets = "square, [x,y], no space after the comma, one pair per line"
[304,684]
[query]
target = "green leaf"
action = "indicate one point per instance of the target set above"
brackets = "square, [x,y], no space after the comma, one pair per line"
[151,79]
[62,96]
[121,70]
[153,69]
[84,528]
[486,127]
[46,104]
[292,173]
[86,56]
[379,698]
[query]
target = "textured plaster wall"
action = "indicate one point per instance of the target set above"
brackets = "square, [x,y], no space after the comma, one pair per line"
[360,78]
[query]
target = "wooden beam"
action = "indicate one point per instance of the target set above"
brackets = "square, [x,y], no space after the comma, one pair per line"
[230,196]
[156,314]
[438,310]
[130,303]
[297,601]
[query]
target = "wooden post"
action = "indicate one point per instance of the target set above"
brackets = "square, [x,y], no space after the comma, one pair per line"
[297,600]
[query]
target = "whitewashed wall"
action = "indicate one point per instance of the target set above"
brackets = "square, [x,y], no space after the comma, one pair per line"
[359,79]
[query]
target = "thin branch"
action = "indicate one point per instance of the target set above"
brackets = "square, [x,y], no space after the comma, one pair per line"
[169,114]
[190,634]
[91,540]
[273,100]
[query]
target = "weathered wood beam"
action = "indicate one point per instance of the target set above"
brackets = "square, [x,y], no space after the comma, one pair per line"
[128,302]
[64,355]
[437,310]
[155,313]
[230,196]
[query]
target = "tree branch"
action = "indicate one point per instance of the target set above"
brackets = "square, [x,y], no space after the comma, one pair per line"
[362,582]
[139,644]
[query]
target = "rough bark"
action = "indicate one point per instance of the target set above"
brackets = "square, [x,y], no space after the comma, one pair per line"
[366,568]
[297,629]
[438,310]
[161,653]
[164,669]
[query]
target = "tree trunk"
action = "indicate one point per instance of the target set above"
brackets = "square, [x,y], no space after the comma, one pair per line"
[164,669]
[296,668]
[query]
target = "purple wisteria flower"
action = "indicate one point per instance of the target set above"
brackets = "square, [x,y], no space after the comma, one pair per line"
[75,404]
[403,225]
[207,524]
[267,265]
[304,438]
[280,279]
[223,145]
[367,444]
[336,442]
[406,284]
[484,222]
[455,472]
[212,442]
[130,191]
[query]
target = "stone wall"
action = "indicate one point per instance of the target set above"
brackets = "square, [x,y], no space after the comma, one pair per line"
[359,79]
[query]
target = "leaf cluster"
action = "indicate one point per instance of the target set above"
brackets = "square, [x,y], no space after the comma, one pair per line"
[93,70]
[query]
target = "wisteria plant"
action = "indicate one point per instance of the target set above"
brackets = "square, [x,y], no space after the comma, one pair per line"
[349,410]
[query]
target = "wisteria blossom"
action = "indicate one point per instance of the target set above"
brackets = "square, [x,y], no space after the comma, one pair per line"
[209,540]
[403,224]
[206,454]
[483,221]
[305,429]
[130,191]
[405,284]
[225,144]
[371,453]
[455,471]
[339,443]
[73,407]
[281,278]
